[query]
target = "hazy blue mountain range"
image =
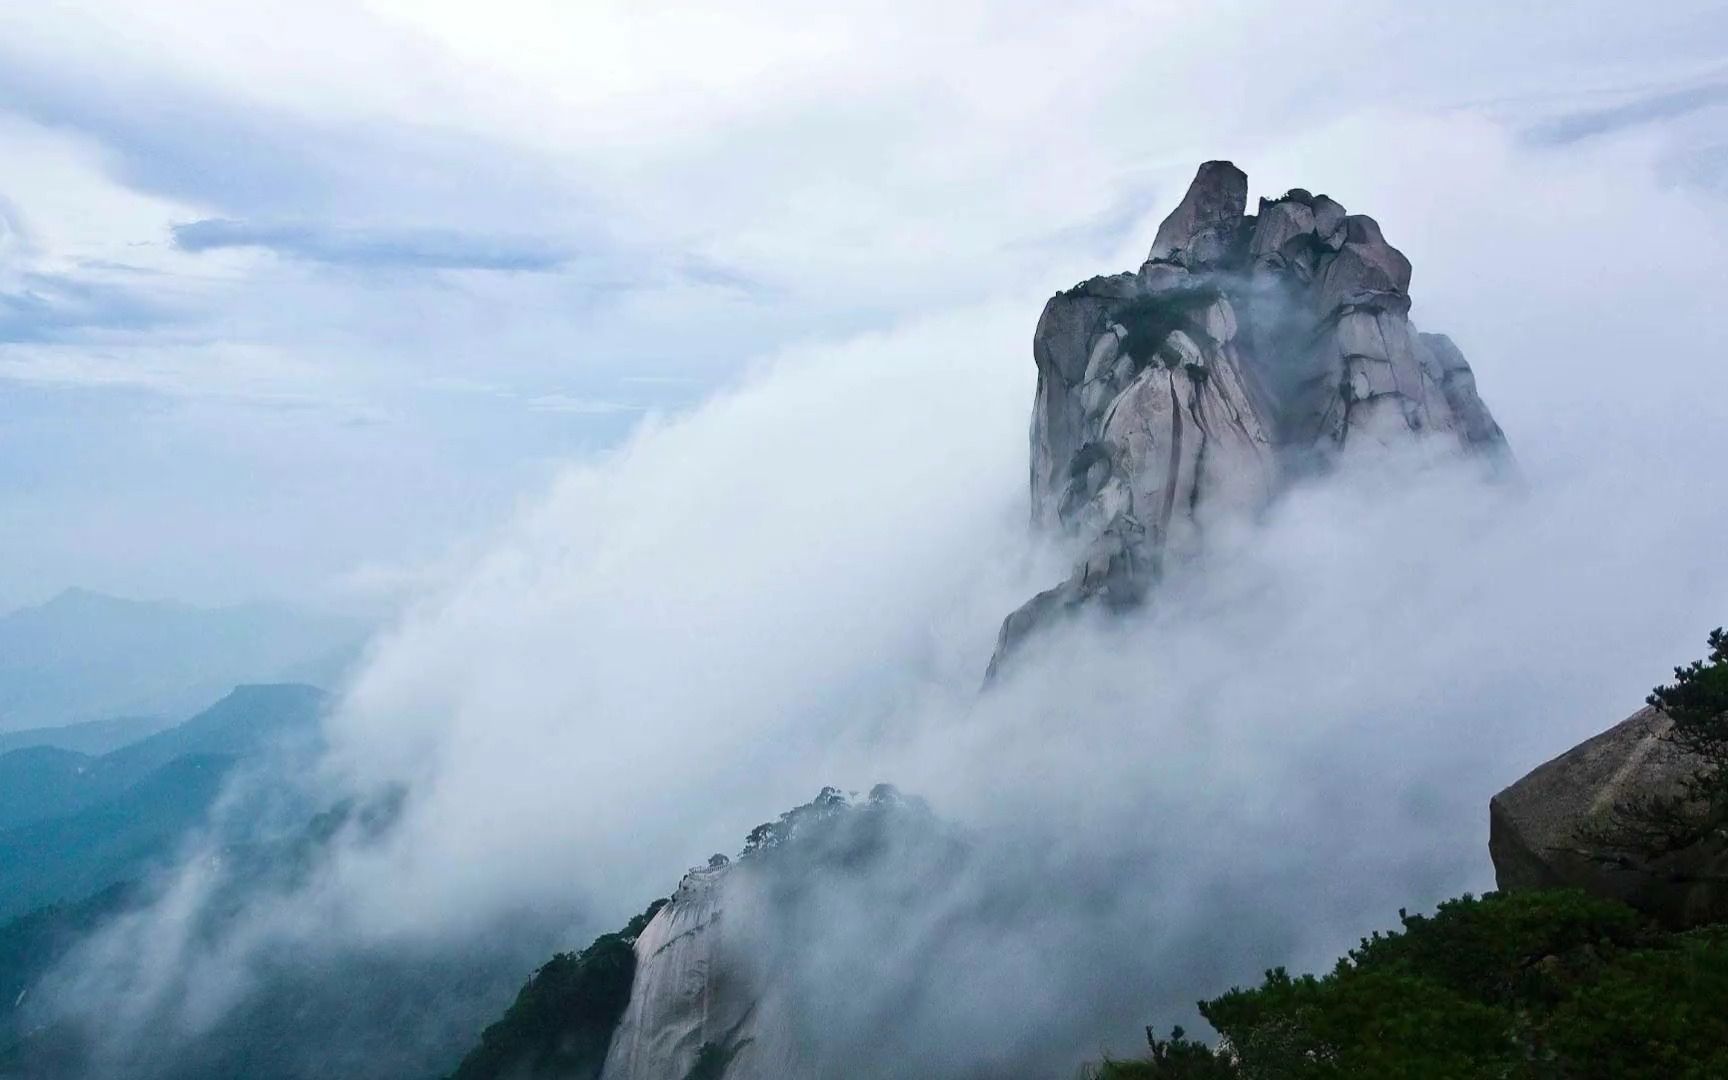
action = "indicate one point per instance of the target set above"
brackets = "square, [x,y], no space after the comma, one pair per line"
[393,1009]
[84,656]
[88,737]
[64,858]
[43,781]
[71,823]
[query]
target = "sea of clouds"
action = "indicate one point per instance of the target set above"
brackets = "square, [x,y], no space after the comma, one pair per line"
[799,582]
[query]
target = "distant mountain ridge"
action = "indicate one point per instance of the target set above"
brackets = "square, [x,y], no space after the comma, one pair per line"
[85,656]
[71,823]
[42,781]
[86,737]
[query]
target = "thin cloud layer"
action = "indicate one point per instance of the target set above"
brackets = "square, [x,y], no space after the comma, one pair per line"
[417,249]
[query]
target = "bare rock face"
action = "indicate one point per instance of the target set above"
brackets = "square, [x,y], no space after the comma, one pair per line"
[694,997]
[1246,351]
[1203,226]
[717,990]
[1544,830]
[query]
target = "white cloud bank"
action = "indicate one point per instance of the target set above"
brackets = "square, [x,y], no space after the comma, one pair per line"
[799,582]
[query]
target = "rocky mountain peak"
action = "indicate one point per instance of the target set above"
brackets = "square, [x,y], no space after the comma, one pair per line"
[1206,221]
[1246,351]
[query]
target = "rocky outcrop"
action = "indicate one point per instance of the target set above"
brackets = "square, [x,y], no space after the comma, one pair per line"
[693,998]
[1203,226]
[1558,826]
[1248,350]
[717,990]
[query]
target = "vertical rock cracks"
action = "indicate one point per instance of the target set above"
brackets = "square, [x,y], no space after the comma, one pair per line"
[1247,351]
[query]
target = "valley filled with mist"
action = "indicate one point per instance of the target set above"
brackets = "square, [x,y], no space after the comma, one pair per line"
[815,565]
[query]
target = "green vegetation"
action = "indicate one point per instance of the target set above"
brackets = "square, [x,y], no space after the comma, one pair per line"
[562,1020]
[1698,702]
[828,805]
[1150,319]
[1660,824]
[1524,986]
[1177,1056]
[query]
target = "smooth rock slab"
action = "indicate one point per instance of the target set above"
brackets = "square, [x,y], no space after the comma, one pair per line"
[1539,828]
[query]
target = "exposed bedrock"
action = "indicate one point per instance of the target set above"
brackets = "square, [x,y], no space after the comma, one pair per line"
[733,974]
[1246,351]
[1562,825]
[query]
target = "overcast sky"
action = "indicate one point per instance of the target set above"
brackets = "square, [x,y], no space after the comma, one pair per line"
[327,302]
[298,297]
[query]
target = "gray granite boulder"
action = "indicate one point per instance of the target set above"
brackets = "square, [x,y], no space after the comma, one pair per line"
[1547,830]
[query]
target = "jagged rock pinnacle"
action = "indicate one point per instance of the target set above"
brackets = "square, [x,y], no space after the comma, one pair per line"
[1205,221]
[1247,350]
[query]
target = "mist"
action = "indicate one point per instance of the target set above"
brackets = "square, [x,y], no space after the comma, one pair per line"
[799,582]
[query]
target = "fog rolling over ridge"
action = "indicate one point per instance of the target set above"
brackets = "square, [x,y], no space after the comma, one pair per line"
[800,581]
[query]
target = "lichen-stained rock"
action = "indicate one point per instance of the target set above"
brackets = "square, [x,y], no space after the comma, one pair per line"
[1244,352]
[1545,831]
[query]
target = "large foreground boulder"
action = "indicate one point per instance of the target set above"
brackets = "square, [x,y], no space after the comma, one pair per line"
[1557,826]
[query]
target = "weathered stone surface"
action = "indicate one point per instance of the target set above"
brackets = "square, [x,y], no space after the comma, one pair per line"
[666,1023]
[1366,270]
[1217,321]
[1201,227]
[1544,829]
[1393,383]
[1470,414]
[727,963]
[1277,224]
[1190,450]
[1246,350]
[694,987]
[1328,218]
[1157,277]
